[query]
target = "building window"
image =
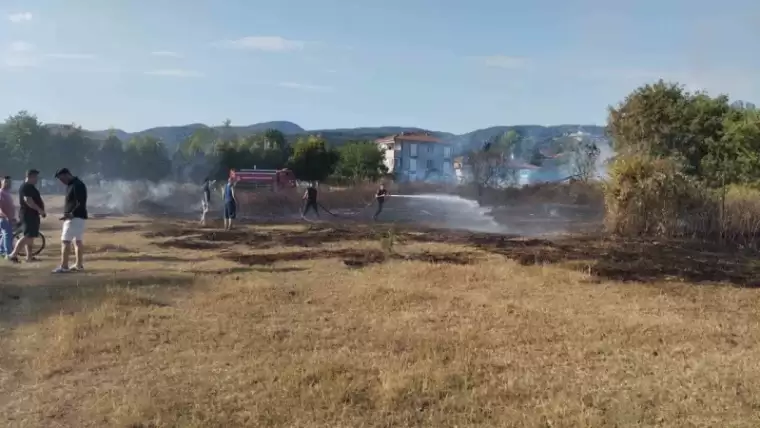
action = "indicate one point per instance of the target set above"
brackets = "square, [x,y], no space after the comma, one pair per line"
[429,164]
[413,149]
[430,148]
[447,152]
[412,165]
[397,163]
[397,147]
[446,167]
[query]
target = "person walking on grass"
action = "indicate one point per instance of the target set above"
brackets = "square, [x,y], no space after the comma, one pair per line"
[380,197]
[7,217]
[230,203]
[74,217]
[31,211]
[206,199]
[310,201]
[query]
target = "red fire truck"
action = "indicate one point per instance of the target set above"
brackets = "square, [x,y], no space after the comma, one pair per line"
[269,179]
[252,182]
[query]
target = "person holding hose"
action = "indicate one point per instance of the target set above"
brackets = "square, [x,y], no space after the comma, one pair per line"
[310,201]
[380,197]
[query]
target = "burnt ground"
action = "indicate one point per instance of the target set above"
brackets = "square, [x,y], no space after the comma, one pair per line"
[603,257]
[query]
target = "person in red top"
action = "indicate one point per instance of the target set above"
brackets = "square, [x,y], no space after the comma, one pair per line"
[7,217]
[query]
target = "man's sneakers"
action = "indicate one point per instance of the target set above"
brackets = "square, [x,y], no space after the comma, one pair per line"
[61,269]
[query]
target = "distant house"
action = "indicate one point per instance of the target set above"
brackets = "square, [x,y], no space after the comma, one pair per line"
[524,171]
[417,156]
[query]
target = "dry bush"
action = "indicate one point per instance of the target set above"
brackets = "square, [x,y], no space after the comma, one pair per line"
[740,220]
[652,196]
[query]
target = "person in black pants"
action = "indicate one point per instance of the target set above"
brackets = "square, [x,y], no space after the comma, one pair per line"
[310,197]
[31,210]
[380,196]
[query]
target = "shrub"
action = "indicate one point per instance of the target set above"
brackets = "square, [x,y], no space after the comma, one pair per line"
[646,195]
[652,196]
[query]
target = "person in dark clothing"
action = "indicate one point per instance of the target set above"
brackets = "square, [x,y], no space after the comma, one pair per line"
[380,196]
[206,199]
[74,217]
[31,210]
[310,199]
[230,203]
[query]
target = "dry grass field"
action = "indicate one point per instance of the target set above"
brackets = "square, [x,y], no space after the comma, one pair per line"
[326,326]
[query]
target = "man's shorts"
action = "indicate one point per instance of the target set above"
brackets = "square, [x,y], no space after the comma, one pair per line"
[30,226]
[73,230]
[230,210]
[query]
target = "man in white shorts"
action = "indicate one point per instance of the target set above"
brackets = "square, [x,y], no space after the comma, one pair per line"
[74,218]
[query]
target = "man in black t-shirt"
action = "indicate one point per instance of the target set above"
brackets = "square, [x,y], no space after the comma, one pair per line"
[74,220]
[31,209]
[380,196]
[310,197]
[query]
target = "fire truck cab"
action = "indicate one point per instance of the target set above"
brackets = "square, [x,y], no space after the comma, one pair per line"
[269,179]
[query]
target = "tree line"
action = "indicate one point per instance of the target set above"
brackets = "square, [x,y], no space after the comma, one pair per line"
[25,142]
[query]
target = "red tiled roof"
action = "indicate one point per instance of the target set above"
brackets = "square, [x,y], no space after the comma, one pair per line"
[422,137]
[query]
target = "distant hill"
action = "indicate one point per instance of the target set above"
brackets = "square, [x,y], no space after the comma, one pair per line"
[172,136]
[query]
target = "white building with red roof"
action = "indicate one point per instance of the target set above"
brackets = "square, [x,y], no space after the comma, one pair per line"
[417,156]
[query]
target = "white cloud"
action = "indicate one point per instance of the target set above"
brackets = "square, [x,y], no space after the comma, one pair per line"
[175,72]
[305,87]
[265,44]
[20,17]
[20,46]
[169,54]
[504,61]
[20,61]
[69,56]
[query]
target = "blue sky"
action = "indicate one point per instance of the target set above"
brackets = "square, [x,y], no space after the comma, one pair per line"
[449,65]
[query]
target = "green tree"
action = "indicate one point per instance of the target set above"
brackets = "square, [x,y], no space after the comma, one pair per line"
[146,158]
[361,160]
[664,119]
[716,142]
[27,142]
[109,157]
[312,160]
[274,140]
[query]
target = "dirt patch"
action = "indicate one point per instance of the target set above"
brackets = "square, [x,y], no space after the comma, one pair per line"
[111,248]
[634,260]
[227,236]
[351,258]
[119,228]
[190,244]
[169,232]
[453,258]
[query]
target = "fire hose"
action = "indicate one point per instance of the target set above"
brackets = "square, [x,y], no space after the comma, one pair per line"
[336,215]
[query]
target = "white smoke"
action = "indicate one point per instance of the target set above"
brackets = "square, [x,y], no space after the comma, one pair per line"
[130,197]
[606,153]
